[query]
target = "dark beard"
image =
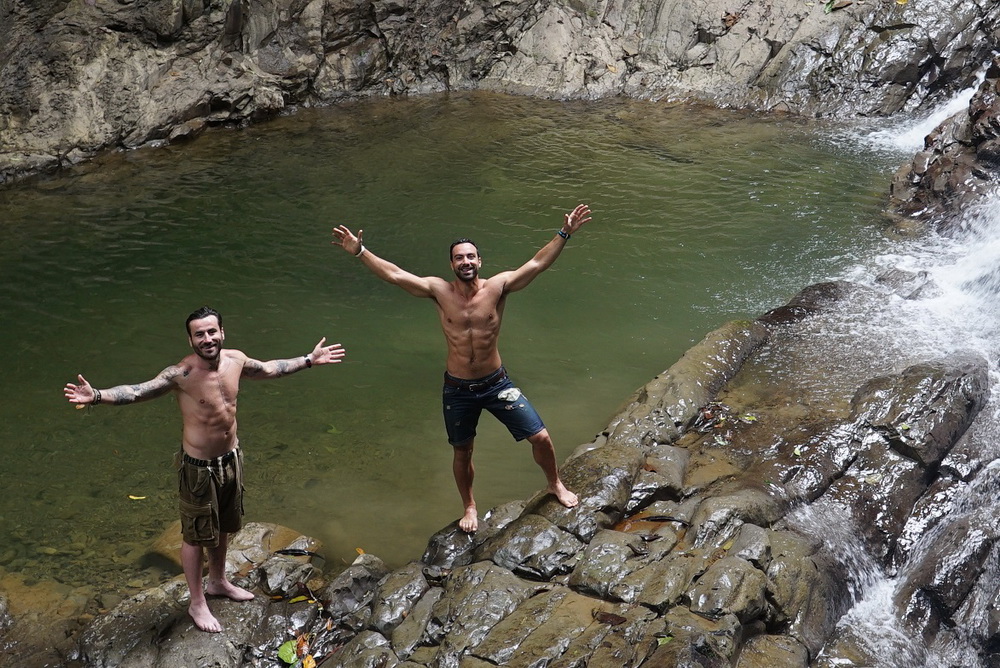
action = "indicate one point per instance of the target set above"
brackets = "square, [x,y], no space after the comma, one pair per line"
[201,353]
[461,277]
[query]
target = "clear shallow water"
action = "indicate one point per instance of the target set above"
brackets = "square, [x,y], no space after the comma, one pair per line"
[700,216]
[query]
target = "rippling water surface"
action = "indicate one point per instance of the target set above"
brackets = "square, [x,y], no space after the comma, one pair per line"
[700,216]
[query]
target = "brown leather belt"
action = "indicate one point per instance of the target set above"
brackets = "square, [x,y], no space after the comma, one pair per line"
[477,385]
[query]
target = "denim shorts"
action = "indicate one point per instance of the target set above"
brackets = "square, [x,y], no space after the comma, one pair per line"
[463,402]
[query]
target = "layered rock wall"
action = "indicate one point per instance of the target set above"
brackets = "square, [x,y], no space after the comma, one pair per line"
[84,76]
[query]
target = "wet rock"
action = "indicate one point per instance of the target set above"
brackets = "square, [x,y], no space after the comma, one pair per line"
[279,575]
[879,491]
[533,547]
[609,558]
[453,547]
[602,479]
[807,302]
[697,641]
[942,579]
[957,166]
[731,586]
[354,588]
[806,589]
[661,477]
[753,544]
[410,632]
[395,596]
[768,651]
[923,411]
[664,407]
[475,599]
[720,518]
[368,649]
[560,625]
[662,584]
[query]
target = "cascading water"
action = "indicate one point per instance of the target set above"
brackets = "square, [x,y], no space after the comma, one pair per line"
[949,304]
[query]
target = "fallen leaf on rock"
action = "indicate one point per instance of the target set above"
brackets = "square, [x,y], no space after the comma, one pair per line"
[609,618]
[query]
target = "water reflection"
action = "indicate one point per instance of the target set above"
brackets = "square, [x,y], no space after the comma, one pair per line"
[700,216]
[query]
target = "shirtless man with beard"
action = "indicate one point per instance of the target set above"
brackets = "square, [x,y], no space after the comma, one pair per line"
[210,463]
[471,310]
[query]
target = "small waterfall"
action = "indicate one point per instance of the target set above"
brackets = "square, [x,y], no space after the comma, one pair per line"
[955,307]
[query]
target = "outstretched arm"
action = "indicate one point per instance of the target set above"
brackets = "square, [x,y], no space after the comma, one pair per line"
[321,354]
[387,271]
[85,394]
[519,278]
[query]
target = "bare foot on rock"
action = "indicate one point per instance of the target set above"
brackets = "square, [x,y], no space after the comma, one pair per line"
[564,496]
[229,590]
[470,521]
[203,618]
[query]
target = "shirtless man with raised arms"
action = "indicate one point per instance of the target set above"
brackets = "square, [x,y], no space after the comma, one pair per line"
[471,311]
[210,464]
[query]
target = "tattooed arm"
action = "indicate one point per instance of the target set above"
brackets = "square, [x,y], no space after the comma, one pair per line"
[85,393]
[321,354]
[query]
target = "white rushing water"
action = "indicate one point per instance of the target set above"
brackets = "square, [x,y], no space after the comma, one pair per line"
[957,309]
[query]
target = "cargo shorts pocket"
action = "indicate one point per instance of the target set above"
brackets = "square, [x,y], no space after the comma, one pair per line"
[197,523]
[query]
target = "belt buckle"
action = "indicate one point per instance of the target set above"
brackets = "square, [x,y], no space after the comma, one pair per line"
[476,387]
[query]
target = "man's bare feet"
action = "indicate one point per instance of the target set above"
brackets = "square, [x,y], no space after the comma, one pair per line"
[470,521]
[229,590]
[203,618]
[565,497]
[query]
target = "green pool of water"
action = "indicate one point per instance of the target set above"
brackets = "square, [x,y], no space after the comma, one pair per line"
[700,216]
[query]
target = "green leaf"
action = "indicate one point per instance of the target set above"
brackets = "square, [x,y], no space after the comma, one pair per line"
[797,451]
[660,642]
[287,652]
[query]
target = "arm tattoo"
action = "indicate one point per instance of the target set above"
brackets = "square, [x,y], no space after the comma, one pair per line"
[253,369]
[129,394]
[273,369]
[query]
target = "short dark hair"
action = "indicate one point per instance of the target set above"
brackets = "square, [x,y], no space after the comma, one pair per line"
[463,240]
[203,312]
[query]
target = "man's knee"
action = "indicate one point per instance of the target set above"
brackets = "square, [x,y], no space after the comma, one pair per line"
[541,439]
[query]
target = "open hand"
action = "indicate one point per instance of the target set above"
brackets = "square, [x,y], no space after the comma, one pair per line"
[331,354]
[343,237]
[79,394]
[576,219]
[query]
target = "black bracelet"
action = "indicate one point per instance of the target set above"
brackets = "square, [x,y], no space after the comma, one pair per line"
[309,362]
[564,235]
[97,398]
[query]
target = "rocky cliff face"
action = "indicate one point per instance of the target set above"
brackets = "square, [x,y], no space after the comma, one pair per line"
[84,76]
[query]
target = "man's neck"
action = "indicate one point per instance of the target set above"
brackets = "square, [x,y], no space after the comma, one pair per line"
[206,364]
[467,288]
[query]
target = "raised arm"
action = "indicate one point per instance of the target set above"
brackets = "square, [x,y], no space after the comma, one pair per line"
[321,354]
[416,285]
[519,278]
[85,394]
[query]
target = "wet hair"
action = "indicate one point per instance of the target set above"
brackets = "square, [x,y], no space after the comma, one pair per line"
[463,240]
[203,312]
